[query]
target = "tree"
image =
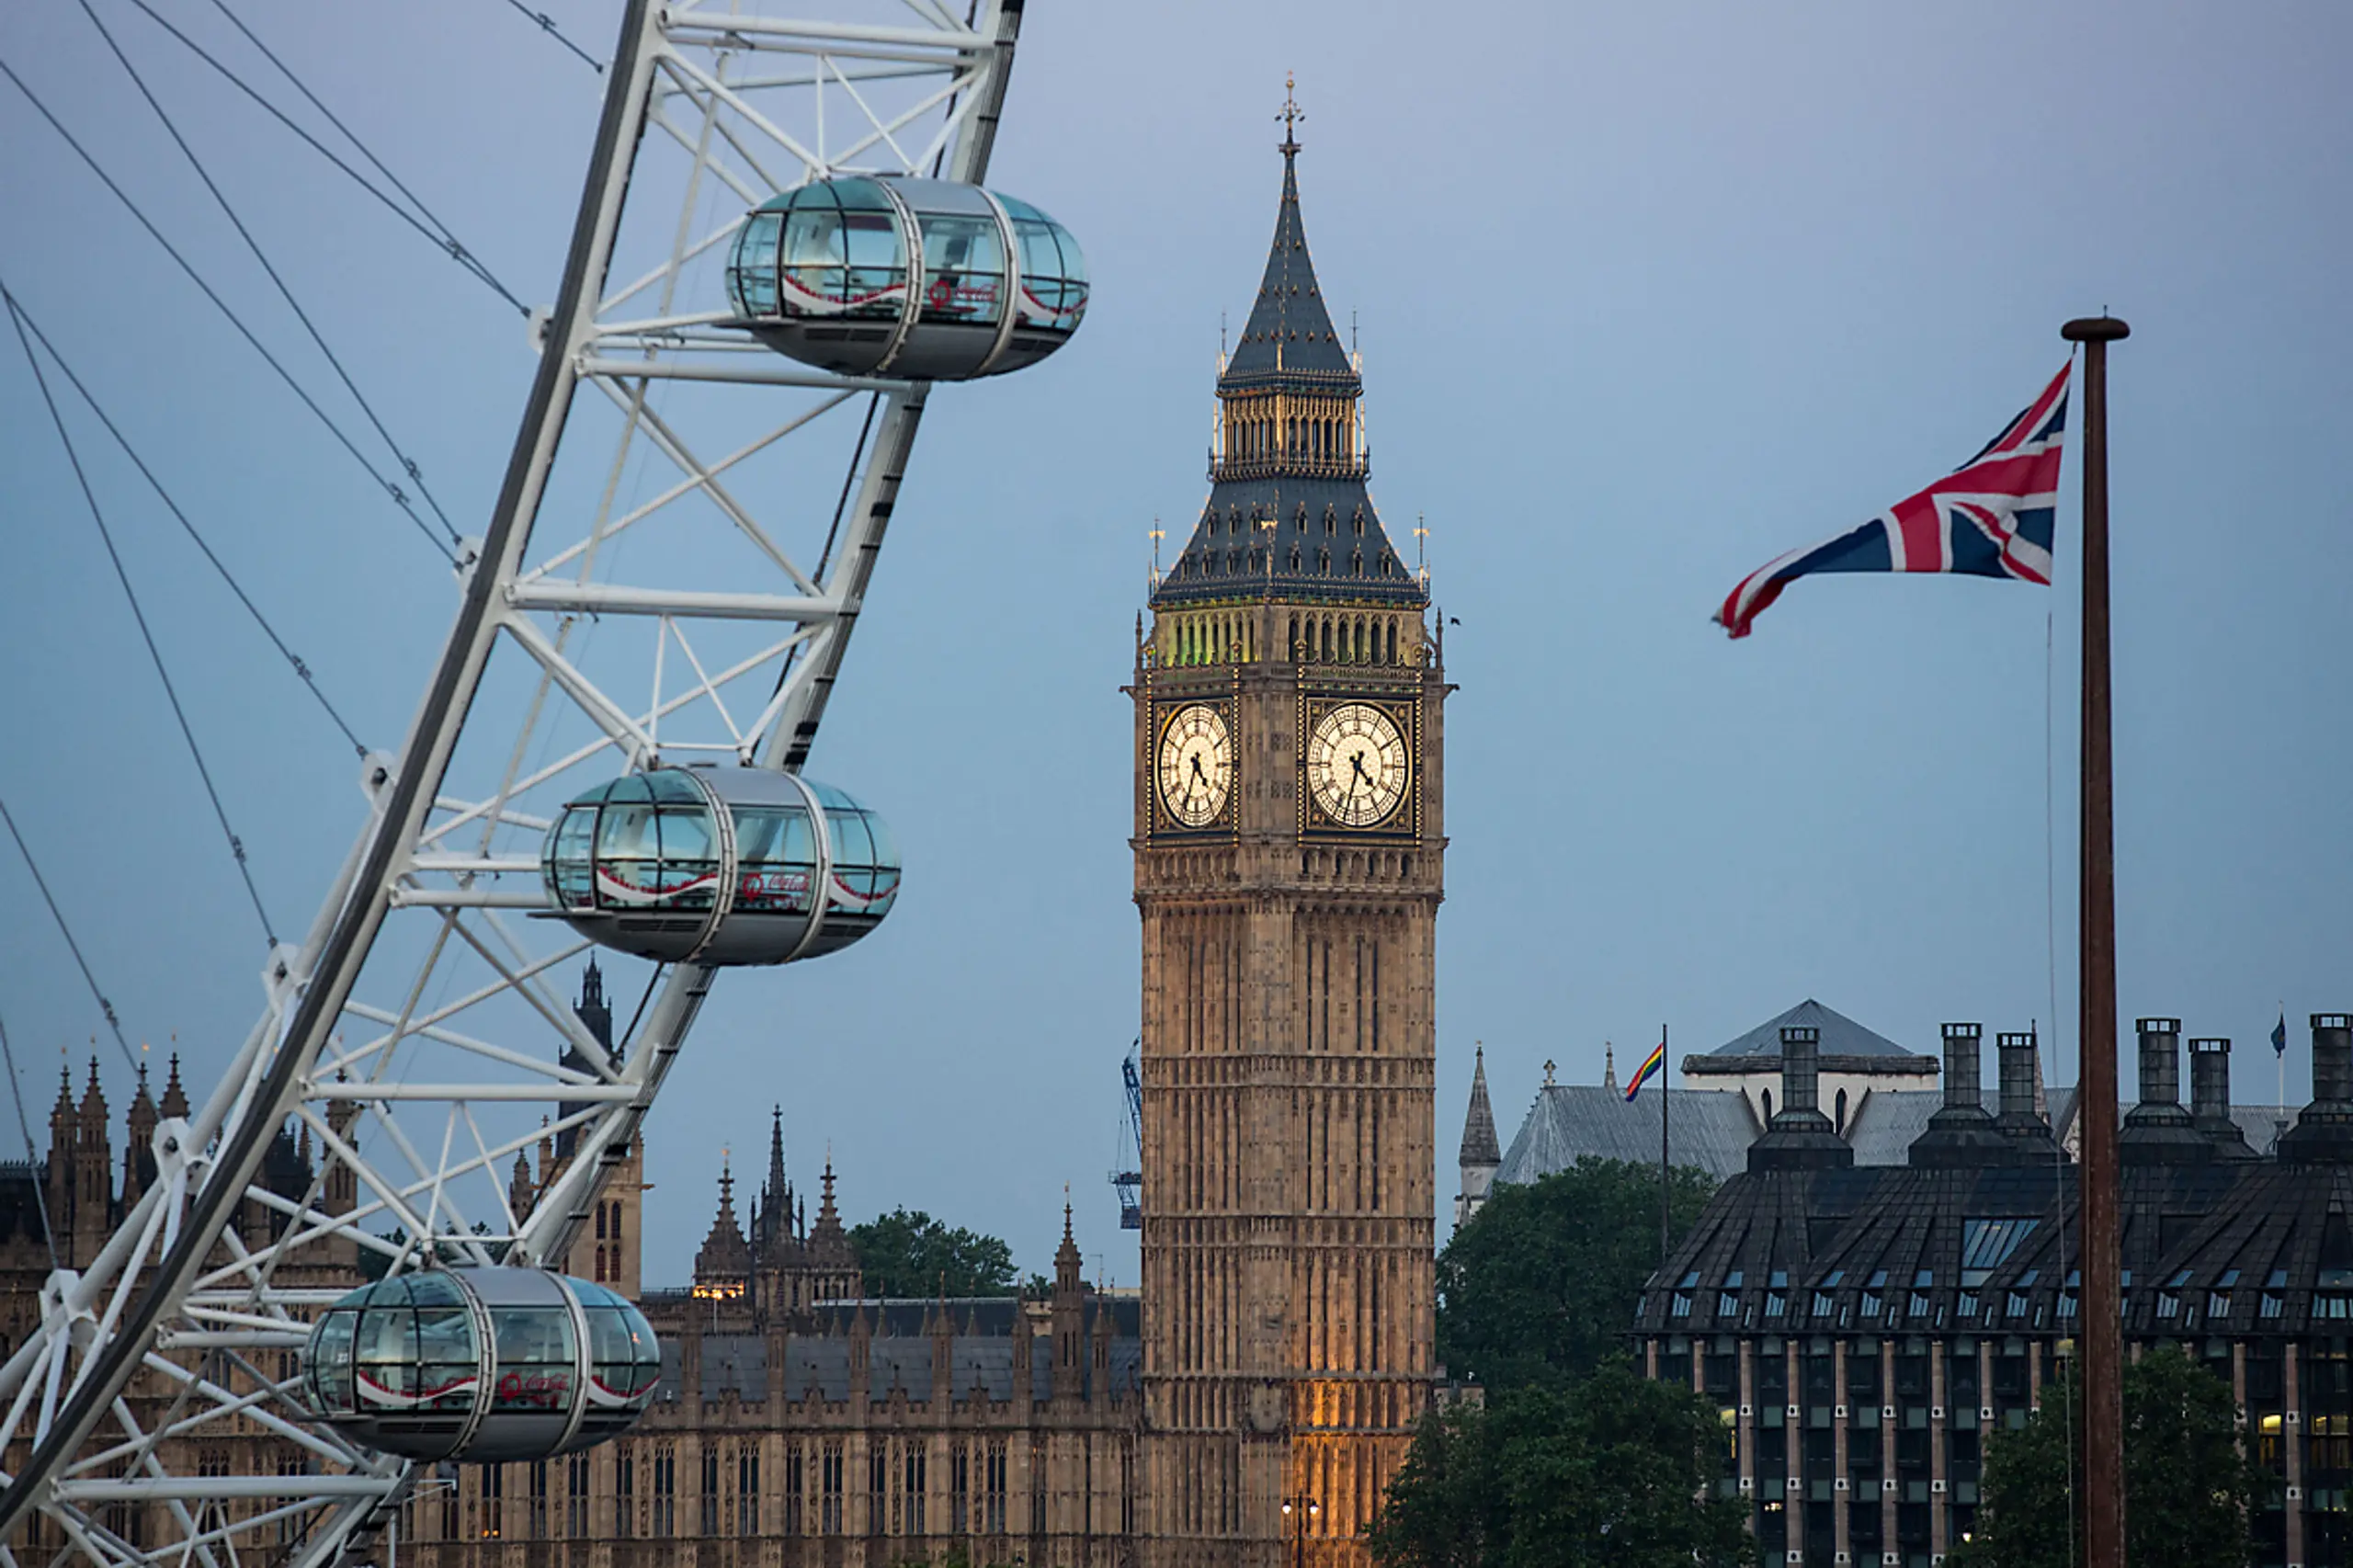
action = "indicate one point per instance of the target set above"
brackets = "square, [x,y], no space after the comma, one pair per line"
[1543,1283]
[1615,1471]
[908,1253]
[2189,1495]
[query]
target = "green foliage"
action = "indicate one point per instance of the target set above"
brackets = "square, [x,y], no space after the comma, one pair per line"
[1615,1471]
[1542,1284]
[2189,1495]
[908,1253]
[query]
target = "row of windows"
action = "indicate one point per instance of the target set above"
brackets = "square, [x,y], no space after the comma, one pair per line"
[1327,440]
[729,1501]
[1313,640]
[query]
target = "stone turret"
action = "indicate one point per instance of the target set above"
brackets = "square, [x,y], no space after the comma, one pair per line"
[93,1173]
[1482,1156]
[724,1263]
[139,1147]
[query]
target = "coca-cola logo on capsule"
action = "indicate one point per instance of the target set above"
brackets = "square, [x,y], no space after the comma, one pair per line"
[542,1390]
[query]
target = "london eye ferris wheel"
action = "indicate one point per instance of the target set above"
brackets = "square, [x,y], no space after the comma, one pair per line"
[784,226]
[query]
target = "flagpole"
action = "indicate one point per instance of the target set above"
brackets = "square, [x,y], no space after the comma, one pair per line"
[2103,1340]
[1665,1097]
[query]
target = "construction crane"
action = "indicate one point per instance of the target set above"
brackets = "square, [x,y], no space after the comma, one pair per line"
[1128,1181]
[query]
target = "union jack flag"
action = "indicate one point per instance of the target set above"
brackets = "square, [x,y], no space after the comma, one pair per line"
[1990,517]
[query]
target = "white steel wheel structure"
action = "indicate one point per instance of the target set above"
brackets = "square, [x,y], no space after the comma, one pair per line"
[670,576]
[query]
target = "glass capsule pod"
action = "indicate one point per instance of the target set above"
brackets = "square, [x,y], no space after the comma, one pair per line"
[907,278]
[719,865]
[482,1365]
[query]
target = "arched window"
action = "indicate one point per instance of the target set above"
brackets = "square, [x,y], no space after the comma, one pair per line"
[1327,641]
[1841,1122]
[1768,1105]
[1393,641]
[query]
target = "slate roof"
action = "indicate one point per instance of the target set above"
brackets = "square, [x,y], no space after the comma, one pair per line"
[2241,1248]
[1708,1128]
[1713,1127]
[1289,336]
[1327,524]
[901,1349]
[1841,1036]
[1882,1129]
[1327,542]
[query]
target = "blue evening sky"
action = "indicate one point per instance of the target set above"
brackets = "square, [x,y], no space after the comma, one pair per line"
[1646,295]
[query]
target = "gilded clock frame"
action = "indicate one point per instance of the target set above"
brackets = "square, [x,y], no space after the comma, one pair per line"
[1162,823]
[1404,709]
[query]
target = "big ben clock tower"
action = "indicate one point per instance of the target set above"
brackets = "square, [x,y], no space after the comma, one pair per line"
[1288,850]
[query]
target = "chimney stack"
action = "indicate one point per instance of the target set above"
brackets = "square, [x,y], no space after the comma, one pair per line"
[1801,1069]
[2324,1134]
[2157,1132]
[2210,1098]
[2018,1118]
[1800,1137]
[1961,1133]
[1964,1081]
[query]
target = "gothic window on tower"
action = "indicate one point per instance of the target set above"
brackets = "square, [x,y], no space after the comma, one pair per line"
[831,1466]
[747,1489]
[575,1501]
[624,1489]
[1037,1485]
[494,1501]
[665,1491]
[709,1520]
[916,1479]
[536,1515]
[993,1491]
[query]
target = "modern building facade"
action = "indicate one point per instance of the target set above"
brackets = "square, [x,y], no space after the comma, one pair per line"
[1863,1328]
[1289,865]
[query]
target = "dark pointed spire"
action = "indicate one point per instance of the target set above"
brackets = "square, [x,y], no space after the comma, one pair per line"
[174,1100]
[1067,1263]
[1289,336]
[1289,517]
[93,1099]
[1479,1145]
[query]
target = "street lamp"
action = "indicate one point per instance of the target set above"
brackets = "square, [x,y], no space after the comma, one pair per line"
[1298,1511]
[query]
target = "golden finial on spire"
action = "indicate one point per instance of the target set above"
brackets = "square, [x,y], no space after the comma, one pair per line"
[1291,117]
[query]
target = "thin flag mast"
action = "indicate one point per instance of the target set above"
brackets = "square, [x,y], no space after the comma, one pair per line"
[2103,1338]
[1666,1098]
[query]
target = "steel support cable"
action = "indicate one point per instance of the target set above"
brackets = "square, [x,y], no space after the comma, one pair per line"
[32,1156]
[400,497]
[407,464]
[430,226]
[293,658]
[57,416]
[546,26]
[105,1008]
[110,1364]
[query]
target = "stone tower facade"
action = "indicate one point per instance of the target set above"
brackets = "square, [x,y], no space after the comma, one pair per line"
[1288,866]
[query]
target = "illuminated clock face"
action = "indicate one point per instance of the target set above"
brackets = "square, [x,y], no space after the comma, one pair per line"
[1196,765]
[1357,767]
